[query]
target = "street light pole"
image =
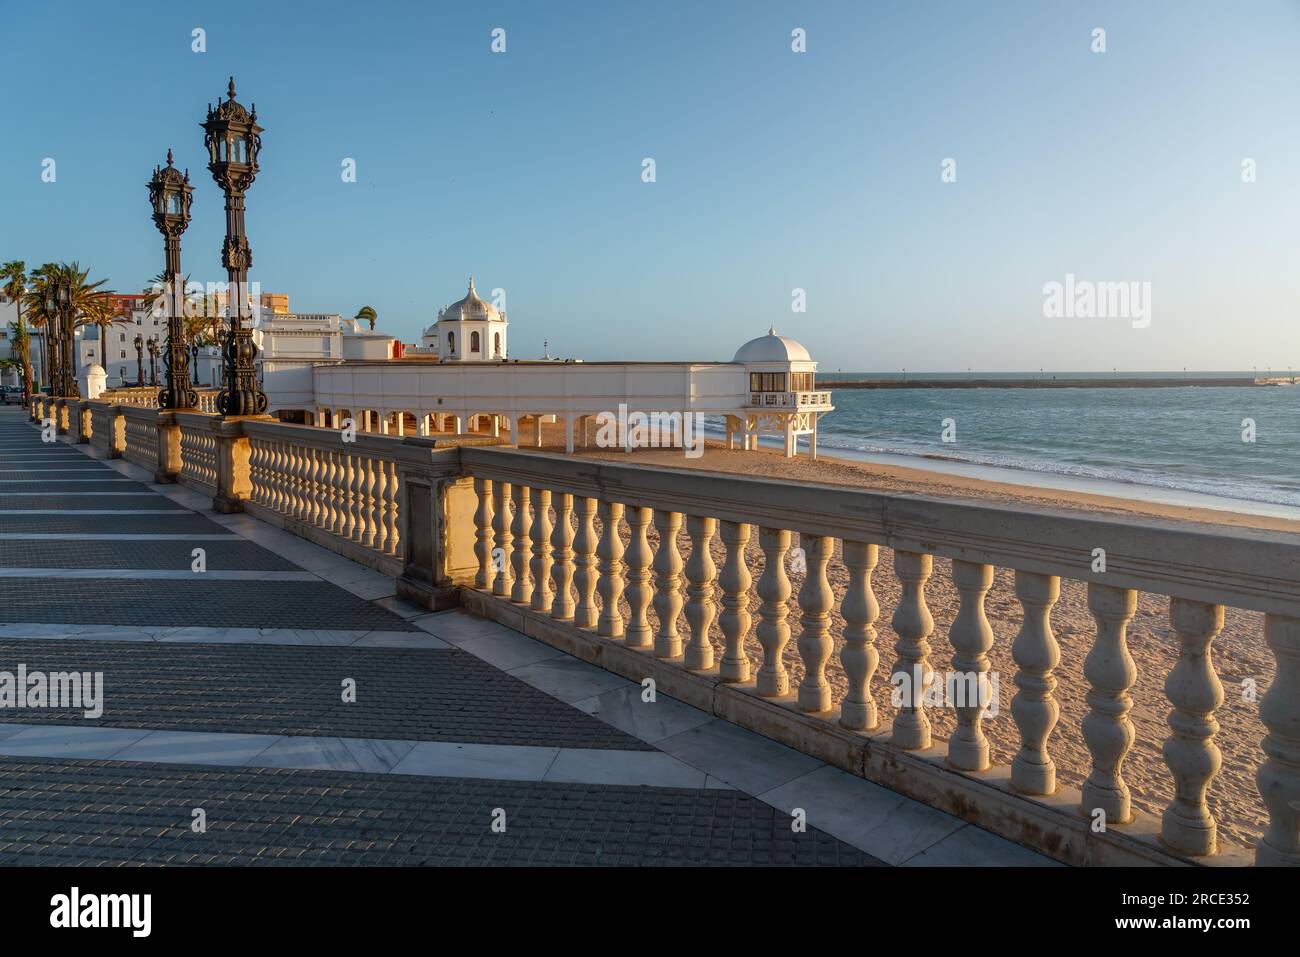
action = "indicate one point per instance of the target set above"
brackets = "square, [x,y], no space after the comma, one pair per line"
[153,363]
[170,194]
[139,359]
[233,139]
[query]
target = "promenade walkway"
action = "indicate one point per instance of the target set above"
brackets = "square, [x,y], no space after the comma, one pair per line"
[281,706]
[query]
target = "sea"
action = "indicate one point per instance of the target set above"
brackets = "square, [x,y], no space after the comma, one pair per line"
[1234,447]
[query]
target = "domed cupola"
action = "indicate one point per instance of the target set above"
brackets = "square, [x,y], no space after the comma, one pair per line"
[771,348]
[469,330]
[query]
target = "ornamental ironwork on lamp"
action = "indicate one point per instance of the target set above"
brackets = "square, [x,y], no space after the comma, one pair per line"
[233,140]
[171,194]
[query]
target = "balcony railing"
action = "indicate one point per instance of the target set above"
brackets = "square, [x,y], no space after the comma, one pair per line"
[790,400]
[694,579]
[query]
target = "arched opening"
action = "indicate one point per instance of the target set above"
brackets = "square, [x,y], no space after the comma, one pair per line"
[496,344]
[451,343]
[474,346]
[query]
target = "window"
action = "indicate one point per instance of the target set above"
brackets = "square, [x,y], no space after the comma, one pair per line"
[121,337]
[474,343]
[497,343]
[801,381]
[123,353]
[767,382]
[451,343]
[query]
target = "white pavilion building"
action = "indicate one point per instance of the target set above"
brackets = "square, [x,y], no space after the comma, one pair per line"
[462,381]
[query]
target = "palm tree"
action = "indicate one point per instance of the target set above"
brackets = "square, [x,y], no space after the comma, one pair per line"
[87,297]
[368,314]
[34,303]
[14,276]
[103,310]
[22,355]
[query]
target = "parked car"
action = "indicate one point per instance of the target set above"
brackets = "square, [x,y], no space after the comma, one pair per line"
[12,394]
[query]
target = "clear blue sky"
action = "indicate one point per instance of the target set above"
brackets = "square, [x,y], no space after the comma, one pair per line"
[775,170]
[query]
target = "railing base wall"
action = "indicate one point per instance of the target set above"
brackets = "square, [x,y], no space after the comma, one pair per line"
[426,595]
[1052,825]
[387,564]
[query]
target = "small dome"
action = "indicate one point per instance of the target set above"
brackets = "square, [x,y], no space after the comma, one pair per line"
[469,309]
[772,348]
[95,369]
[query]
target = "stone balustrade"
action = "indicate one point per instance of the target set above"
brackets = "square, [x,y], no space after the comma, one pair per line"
[646,592]
[616,564]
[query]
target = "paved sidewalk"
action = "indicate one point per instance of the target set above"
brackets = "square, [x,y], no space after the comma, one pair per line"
[308,716]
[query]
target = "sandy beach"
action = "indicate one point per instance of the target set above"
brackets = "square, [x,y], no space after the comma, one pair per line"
[1238,653]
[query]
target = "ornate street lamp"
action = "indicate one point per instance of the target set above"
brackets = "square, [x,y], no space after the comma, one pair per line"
[139,359]
[233,139]
[52,333]
[153,363]
[58,312]
[170,193]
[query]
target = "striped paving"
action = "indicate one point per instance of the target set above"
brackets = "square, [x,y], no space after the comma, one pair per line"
[223,692]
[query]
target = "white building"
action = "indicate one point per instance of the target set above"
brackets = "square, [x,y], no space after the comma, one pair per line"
[469,330]
[290,345]
[767,388]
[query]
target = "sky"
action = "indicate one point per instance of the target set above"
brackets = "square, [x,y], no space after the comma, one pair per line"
[775,170]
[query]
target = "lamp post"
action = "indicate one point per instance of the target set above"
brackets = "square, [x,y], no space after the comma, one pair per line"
[52,334]
[58,312]
[170,194]
[153,365]
[233,139]
[139,359]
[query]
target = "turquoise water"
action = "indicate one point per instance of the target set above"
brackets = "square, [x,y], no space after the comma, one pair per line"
[1187,439]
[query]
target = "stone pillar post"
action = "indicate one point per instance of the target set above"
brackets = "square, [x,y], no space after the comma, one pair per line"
[85,423]
[169,448]
[233,483]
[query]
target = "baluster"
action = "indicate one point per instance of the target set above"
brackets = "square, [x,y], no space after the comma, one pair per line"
[562,552]
[256,473]
[341,504]
[523,589]
[1193,758]
[503,540]
[859,656]
[815,644]
[1034,707]
[352,473]
[971,638]
[542,560]
[639,587]
[1110,671]
[347,477]
[668,584]
[326,516]
[317,487]
[584,559]
[1278,778]
[773,630]
[338,492]
[359,497]
[374,528]
[381,526]
[483,534]
[912,673]
[394,537]
[700,609]
[276,478]
[294,465]
[610,584]
[734,618]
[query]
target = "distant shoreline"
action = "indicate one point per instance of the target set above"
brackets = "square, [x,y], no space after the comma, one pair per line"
[1045,383]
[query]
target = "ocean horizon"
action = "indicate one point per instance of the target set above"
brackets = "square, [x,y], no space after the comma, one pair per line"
[1226,444]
